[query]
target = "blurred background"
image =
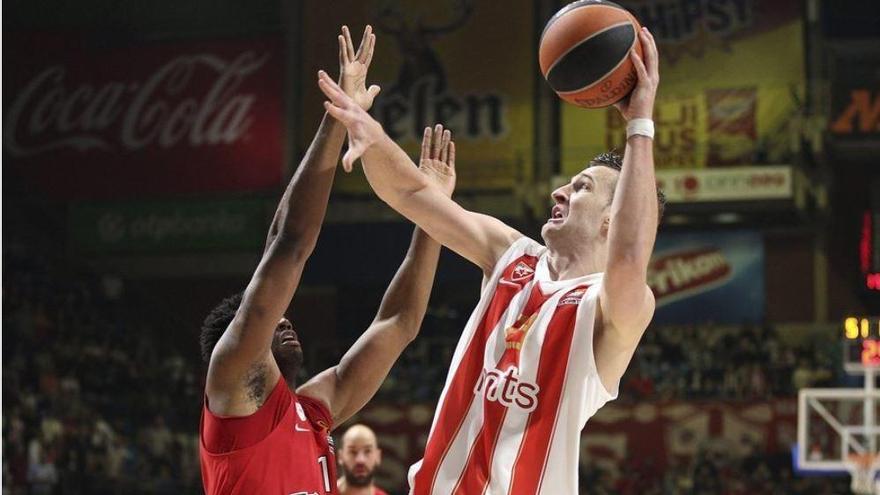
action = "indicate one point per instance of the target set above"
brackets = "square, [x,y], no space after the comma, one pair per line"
[146,144]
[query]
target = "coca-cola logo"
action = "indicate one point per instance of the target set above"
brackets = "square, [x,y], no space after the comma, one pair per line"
[682,274]
[164,109]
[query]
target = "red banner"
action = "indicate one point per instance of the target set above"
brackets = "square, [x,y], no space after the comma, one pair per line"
[116,120]
[661,432]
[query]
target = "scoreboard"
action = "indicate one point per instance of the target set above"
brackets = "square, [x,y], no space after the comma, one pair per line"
[869,241]
[861,343]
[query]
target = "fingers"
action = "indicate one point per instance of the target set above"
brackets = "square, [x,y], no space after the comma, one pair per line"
[349,45]
[451,158]
[336,112]
[438,138]
[364,40]
[652,57]
[352,155]
[332,90]
[374,91]
[639,66]
[370,47]
[348,161]
[343,54]
[444,145]
[426,143]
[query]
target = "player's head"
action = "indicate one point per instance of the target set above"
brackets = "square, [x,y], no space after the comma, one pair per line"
[360,455]
[582,212]
[286,347]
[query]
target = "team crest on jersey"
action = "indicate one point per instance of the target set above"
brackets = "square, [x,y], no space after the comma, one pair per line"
[300,412]
[573,297]
[521,272]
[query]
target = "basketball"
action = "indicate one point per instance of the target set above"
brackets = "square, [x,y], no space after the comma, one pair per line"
[584,53]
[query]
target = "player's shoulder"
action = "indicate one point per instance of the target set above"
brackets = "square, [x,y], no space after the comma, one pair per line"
[314,411]
[523,246]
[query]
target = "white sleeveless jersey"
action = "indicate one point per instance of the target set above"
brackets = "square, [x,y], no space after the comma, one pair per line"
[520,388]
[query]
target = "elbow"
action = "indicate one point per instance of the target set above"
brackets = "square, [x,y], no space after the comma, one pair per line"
[407,326]
[410,327]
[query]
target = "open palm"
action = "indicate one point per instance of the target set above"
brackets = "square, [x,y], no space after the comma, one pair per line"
[437,160]
[353,67]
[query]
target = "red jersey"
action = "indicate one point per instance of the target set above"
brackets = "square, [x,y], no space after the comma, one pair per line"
[282,449]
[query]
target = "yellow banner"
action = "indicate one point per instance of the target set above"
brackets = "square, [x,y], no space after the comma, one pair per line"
[469,65]
[731,81]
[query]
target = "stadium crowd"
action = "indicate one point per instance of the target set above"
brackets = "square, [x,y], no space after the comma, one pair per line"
[92,402]
[95,403]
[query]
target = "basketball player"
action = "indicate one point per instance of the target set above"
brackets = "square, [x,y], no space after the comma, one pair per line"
[260,433]
[555,327]
[359,457]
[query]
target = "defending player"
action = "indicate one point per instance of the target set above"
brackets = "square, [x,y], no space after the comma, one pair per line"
[359,456]
[260,433]
[552,334]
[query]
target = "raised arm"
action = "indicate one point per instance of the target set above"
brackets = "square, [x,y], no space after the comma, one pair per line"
[626,301]
[242,365]
[479,238]
[349,385]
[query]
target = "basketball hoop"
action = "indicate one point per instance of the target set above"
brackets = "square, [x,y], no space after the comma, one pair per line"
[863,468]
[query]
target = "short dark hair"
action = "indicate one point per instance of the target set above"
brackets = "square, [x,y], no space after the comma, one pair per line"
[613,160]
[216,323]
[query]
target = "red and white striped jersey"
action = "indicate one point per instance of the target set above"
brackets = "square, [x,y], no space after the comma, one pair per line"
[520,388]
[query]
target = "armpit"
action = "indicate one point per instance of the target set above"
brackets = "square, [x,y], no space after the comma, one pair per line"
[256,384]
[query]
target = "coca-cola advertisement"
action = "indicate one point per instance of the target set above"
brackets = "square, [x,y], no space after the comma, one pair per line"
[708,276]
[116,120]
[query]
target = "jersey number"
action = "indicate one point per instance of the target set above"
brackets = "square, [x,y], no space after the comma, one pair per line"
[326,472]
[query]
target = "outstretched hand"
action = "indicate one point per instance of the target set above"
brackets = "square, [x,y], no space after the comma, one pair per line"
[437,160]
[640,102]
[363,130]
[353,67]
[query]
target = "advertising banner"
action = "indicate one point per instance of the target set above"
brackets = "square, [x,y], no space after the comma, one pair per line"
[708,277]
[469,65]
[726,184]
[89,120]
[731,80]
[655,433]
[855,95]
[163,227]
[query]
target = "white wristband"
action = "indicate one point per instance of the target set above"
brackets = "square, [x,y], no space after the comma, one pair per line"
[641,127]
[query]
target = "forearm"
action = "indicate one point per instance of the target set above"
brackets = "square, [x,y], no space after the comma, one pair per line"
[634,209]
[304,203]
[406,299]
[391,173]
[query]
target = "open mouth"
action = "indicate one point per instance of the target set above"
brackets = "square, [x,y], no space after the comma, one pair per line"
[557,215]
[288,337]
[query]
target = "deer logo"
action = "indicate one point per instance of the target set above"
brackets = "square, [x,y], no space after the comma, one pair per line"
[420,94]
[414,39]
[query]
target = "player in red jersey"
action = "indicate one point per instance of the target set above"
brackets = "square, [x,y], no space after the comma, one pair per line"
[359,456]
[260,433]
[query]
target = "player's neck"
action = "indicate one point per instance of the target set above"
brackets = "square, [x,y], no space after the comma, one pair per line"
[565,264]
